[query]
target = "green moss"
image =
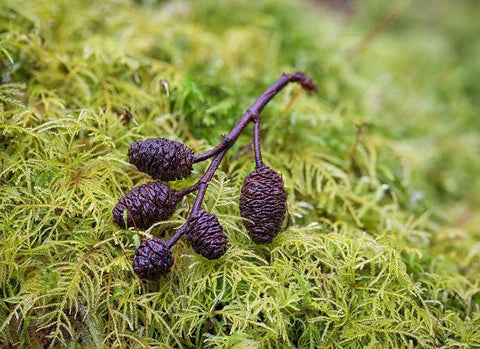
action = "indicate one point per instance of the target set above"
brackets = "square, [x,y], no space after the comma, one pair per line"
[383,244]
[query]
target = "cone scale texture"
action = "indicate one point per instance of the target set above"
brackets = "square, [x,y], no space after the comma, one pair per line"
[205,235]
[146,205]
[162,158]
[263,202]
[152,259]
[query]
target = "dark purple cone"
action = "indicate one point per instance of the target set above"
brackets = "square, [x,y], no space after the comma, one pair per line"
[146,205]
[152,259]
[263,203]
[161,158]
[205,235]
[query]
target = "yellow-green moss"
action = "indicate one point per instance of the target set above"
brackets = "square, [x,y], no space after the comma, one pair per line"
[383,244]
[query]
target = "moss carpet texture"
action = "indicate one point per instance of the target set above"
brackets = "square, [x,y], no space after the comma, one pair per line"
[382,247]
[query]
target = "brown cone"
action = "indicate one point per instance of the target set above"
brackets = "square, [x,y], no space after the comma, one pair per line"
[152,259]
[263,203]
[162,158]
[205,235]
[146,205]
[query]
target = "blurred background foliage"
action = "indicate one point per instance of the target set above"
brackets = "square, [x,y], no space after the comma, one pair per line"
[381,166]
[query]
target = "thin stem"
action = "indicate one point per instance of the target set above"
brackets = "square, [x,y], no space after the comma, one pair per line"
[256,144]
[186,191]
[202,186]
[175,237]
[290,102]
[205,180]
[255,109]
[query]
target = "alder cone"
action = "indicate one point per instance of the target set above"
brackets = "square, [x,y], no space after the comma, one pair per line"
[146,205]
[162,158]
[263,202]
[152,259]
[205,235]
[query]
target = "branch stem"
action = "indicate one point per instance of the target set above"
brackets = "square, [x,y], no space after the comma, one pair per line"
[186,191]
[256,144]
[255,109]
[202,186]
[251,114]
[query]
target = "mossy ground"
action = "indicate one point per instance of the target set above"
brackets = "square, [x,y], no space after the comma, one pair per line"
[381,168]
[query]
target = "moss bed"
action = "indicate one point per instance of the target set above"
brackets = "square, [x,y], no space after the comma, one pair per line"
[382,247]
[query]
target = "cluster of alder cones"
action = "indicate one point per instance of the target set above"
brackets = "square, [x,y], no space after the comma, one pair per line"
[262,200]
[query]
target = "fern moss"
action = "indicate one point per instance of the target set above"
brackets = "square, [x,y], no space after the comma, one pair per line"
[381,170]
